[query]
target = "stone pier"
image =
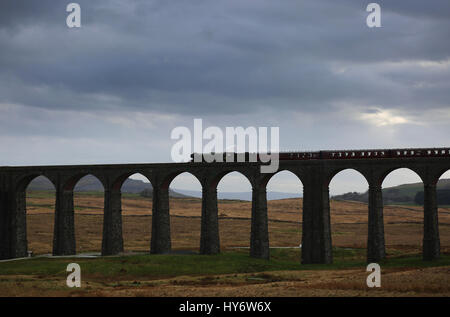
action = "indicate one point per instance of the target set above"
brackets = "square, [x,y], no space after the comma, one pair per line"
[112,242]
[375,238]
[259,236]
[64,228]
[431,241]
[209,236]
[160,242]
[316,234]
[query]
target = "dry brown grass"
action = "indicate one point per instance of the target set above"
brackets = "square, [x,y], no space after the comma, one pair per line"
[350,282]
[403,227]
[403,224]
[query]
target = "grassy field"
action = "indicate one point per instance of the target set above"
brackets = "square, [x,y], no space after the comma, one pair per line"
[233,272]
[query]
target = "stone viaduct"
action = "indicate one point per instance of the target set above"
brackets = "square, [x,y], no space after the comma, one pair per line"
[315,176]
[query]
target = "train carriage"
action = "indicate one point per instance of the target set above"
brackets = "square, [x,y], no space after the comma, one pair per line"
[334,155]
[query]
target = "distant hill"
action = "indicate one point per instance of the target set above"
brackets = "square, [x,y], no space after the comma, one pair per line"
[403,194]
[241,195]
[91,183]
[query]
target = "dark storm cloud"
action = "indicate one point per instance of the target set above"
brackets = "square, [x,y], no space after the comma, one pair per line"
[14,14]
[197,57]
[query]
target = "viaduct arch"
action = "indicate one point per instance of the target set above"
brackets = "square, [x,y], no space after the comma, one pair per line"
[314,174]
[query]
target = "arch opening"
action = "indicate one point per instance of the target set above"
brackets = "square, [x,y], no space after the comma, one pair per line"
[285,206]
[234,193]
[403,217]
[40,197]
[136,203]
[185,206]
[349,215]
[88,202]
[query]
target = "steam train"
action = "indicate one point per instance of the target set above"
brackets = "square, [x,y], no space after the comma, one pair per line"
[328,155]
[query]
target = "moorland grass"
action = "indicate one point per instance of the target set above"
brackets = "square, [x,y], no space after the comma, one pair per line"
[148,266]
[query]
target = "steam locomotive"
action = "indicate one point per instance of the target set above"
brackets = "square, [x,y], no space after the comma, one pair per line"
[328,155]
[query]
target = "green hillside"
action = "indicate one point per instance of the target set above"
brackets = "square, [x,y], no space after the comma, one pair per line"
[401,194]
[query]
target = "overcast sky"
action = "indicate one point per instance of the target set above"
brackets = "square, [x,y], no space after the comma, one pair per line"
[112,90]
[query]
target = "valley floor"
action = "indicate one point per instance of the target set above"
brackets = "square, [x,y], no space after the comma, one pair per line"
[233,272]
